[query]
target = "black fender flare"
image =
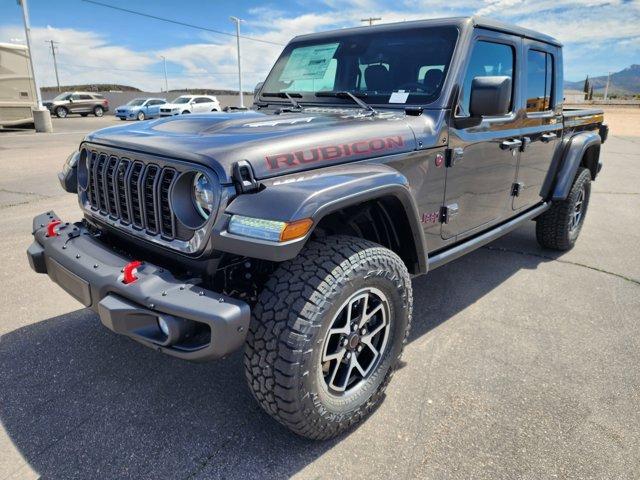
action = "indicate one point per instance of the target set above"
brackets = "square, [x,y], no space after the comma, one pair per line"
[573,152]
[315,195]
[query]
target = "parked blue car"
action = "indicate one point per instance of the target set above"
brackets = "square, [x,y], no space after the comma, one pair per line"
[140,109]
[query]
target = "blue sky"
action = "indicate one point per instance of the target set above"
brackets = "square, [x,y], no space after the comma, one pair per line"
[98,44]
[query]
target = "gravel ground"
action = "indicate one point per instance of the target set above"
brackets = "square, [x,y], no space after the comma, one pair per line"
[522,363]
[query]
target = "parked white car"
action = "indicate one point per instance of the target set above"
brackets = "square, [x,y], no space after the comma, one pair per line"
[190,104]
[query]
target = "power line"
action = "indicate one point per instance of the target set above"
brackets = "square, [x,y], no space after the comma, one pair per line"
[106,69]
[184,24]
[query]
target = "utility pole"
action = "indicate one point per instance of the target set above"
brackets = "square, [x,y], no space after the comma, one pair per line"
[606,88]
[166,83]
[237,21]
[55,63]
[370,20]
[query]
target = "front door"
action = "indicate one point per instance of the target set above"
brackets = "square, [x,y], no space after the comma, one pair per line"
[542,126]
[479,182]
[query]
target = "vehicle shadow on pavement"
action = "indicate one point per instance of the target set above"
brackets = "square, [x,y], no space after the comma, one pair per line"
[78,401]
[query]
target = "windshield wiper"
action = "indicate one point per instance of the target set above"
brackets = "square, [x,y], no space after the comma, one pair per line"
[288,96]
[345,94]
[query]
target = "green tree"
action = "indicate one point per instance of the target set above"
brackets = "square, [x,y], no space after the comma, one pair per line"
[585,89]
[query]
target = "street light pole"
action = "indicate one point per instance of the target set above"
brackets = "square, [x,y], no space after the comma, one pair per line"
[41,115]
[166,83]
[55,62]
[237,21]
[606,88]
[27,34]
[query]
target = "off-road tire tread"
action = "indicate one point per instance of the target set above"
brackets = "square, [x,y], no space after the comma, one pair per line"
[288,313]
[552,227]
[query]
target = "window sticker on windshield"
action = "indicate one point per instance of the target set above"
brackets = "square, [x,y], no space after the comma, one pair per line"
[399,97]
[309,63]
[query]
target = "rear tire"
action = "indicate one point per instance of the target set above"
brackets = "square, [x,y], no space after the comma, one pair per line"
[559,227]
[185,112]
[301,365]
[62,112]
[98,111]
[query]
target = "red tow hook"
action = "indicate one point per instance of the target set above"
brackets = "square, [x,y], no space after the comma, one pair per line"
[128,276]
[51,228]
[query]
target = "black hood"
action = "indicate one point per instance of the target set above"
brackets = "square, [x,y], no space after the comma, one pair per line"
[273,144]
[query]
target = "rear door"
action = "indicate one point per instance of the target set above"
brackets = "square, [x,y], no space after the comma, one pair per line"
[201,104]
[542,126]
[478,184]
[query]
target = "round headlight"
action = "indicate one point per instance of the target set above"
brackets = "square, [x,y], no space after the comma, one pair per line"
[203,195]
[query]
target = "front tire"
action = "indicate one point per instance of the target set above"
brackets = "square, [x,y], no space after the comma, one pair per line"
[141,116]
[61,112]
[327,333]
[559,227]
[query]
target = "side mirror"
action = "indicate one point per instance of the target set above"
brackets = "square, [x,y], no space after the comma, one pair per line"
[490,96]
[257,88]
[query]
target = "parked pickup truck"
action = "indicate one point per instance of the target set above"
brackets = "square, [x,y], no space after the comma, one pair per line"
[292,231]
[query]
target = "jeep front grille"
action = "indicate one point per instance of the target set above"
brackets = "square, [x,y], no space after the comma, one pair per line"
[132,192]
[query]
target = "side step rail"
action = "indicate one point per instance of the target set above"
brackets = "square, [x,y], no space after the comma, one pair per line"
[472,244]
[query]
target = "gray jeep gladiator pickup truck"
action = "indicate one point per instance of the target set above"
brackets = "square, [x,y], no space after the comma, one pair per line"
[293,230]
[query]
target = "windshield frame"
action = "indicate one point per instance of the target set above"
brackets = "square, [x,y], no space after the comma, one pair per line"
[141,103]
[438,100]
[62,96]
[183,97]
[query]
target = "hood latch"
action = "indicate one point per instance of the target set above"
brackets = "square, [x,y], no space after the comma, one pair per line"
[244,178]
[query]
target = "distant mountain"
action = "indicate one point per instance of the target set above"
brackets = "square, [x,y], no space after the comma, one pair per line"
[94,87]
[626,81]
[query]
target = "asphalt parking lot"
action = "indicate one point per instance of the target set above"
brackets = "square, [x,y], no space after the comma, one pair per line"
[522,363]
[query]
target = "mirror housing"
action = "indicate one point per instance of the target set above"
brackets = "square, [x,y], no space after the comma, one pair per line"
[490,96]
[257,88]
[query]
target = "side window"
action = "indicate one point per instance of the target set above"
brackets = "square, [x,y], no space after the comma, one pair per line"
[539,80]
[203,100]
[75,96]
[488,59]
[85,97]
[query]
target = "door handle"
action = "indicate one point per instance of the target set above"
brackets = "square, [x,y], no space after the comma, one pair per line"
[511,144]
[547,137]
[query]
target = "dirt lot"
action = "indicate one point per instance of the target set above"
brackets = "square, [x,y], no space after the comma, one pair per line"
[522,363]
[622,121]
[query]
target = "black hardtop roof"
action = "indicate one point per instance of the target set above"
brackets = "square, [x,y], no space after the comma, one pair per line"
[461,22]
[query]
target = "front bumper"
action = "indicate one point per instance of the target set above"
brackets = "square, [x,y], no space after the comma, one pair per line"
[92,273]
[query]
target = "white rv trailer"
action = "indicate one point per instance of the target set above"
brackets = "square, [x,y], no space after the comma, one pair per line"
[17,88]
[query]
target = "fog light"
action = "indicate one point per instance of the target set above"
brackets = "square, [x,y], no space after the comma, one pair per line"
[164,326]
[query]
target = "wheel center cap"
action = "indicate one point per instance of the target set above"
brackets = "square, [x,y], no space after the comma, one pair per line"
[354,340]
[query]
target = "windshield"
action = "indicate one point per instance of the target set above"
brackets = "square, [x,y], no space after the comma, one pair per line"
[136,102]
[406,66]
[63,96]
[182,100]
